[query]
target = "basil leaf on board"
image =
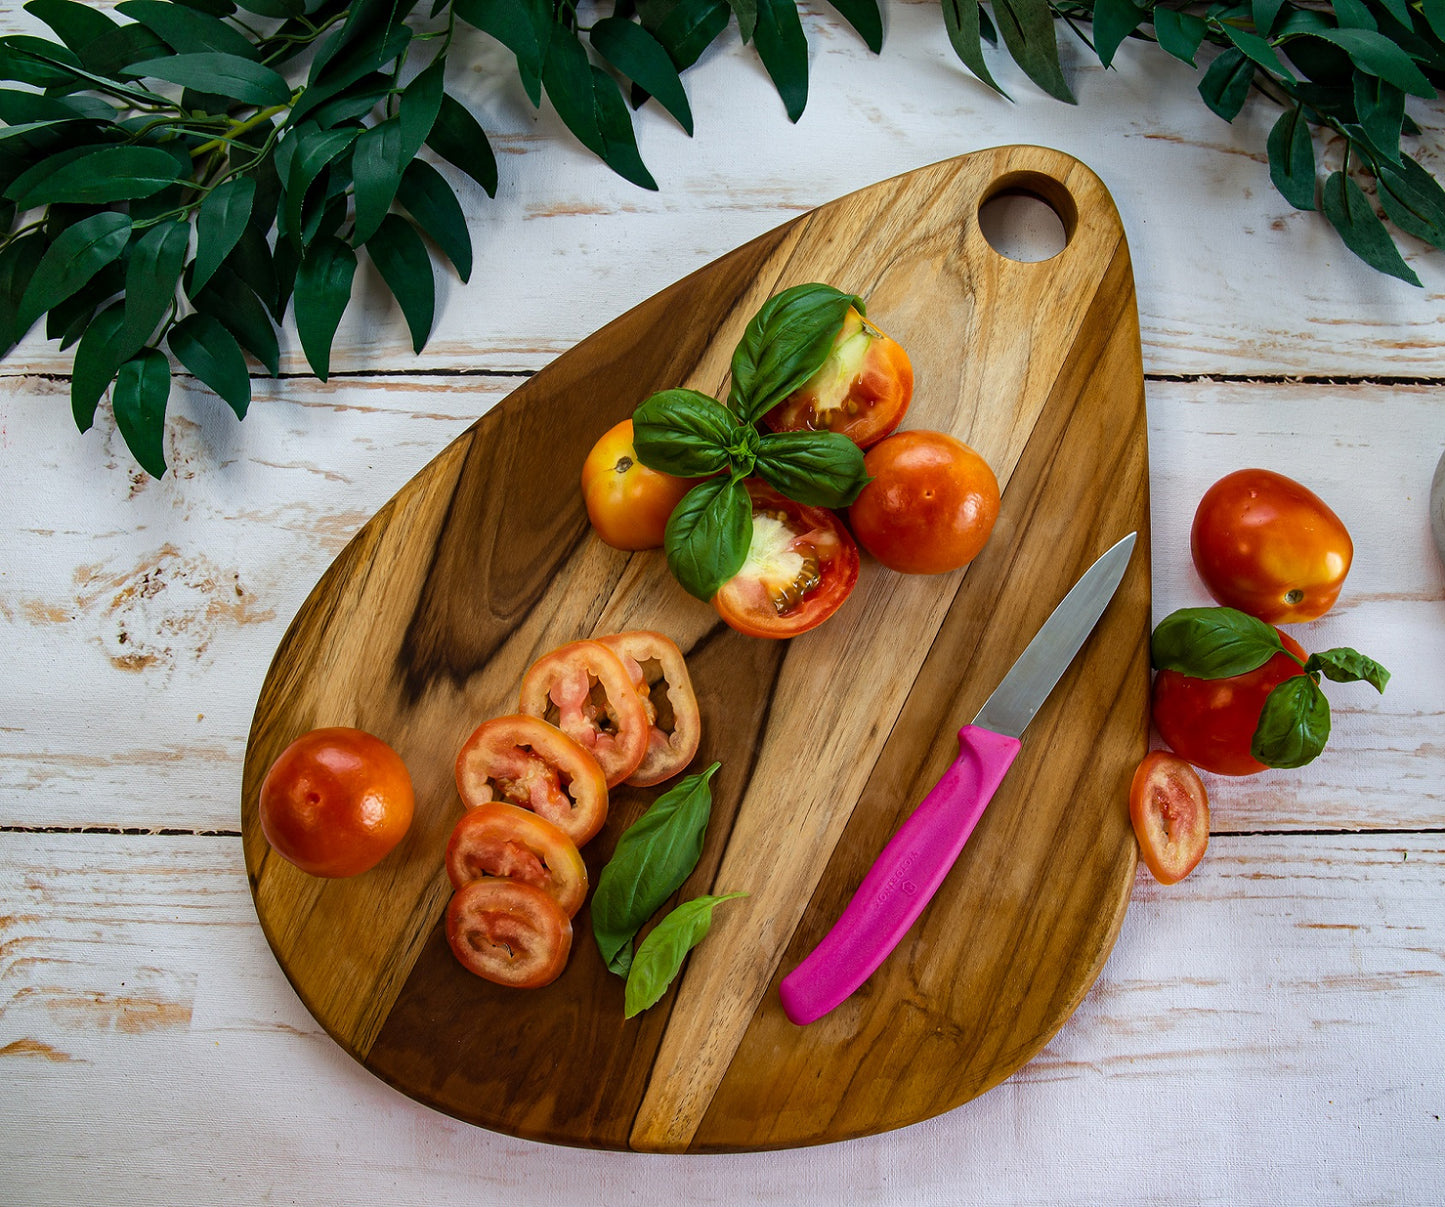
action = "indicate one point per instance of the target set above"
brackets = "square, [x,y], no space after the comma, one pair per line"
[1114,20]
[377,163]
[684,433]
[783,49]
[102,350]
[151,277]
[708,535]
[226,75]
[650,862]
[418,109]
[1294,724]
[1292,159]
[1226,83]
[211,352]
[1180,34]
[429,199]
[323,289]
[818,469]
[460,140]
[188,31]
[78,253]
[1027,27]
[639,56]
[219,222]
[784,344]
[401,257]
[1344,665]
[1352,215]
[102,176]
[1213,643]
[961,20]
[142,389]
[866,19]
[659,957]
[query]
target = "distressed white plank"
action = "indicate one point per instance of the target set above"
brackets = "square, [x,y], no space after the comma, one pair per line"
[1263,1032]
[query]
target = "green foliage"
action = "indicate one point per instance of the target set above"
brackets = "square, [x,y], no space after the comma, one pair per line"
[182,173]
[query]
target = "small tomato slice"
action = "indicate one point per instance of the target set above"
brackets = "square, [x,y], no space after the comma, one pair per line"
[512,843]
[508,932]
[653,659]
[584,690]
[1170,812]
[862,390]
[627,502]
[527,762]
[800,567]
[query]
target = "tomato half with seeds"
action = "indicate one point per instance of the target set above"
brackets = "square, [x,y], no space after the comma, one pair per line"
[525,761]
[584,690]
[862,390]
[660,675]
[508,932]
[800,567]
[627,503]
[512,843]
[1170,811]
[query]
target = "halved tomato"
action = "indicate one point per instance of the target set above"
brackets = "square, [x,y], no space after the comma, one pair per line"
[584,690]
[653,659]
[862,390]
[1170,812]
[508,842]
[800,567]
[527,762]
[508,932]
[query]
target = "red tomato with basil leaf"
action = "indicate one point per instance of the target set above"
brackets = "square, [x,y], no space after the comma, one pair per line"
[627,503]
[508,842]
[508,932]
[930,506]
[862,390]
[800,566]
[1170,811]
[659,673]
[1267,545]
[336,801]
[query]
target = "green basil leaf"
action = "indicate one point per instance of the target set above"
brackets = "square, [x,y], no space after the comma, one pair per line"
[188,31]
[102,176]
[377,162]
[1180,34]
[1380,107]
[1114,20]
[784,344]
[639,56]
[211,352]
[818,469]
[660,956]
[783,49]
[1292,159]
[1213,643]
[429,199]
[1294,724]
[102,350]
[401,257]
[323,289]
[1352,215]
[458,139]
[690,27]
[75,24]
[420,104]
[962,21]
[684,433]
[151,277]
[19,259]
[78,253]
[1344,665]
[227,299]
[221,219]
[1027,27]
[866,19]
[1414,200]
[1226,83]
[708,535]
[226,75]
[142,389]
[650,862]
[1375,54]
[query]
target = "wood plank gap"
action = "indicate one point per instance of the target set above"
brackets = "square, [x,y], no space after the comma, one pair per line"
[145,831]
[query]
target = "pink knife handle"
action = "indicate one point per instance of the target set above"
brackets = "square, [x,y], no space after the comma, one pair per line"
[902,880]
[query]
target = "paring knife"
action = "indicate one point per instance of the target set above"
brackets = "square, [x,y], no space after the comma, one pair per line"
[913,864]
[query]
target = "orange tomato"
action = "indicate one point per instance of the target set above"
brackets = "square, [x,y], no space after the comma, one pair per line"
[627,503]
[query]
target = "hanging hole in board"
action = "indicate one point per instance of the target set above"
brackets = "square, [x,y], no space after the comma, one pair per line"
[1028,217]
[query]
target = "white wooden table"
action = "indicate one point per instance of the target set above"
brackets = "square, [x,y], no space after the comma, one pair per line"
[1272,1030]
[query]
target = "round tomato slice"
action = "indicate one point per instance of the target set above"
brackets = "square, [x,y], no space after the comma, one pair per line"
[512,843]
[508,932]
[585,691]
[800,567]
[1170,812]
[526,762]
[862,390]
[652,661]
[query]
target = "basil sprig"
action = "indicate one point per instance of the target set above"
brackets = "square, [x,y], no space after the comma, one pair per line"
[1218,643]
[784,344]
[660,956]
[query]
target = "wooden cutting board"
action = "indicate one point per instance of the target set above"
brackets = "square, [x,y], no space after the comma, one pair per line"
[424,625]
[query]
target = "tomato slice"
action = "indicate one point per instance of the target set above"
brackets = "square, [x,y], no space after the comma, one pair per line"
[509,842]
[525,761]
[508,932]
[653,659]
[862,390]
[1170,812]
[584,690]
[801,566]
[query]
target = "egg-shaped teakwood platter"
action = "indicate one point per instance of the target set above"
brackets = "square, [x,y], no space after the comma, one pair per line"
[424,625]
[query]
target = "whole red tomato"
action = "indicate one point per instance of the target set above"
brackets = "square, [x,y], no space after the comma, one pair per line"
[336,802]
[1268,546]
[627,503]
[1211,722]
[930,506]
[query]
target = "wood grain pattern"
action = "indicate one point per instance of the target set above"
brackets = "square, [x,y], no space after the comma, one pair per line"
[424,625]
